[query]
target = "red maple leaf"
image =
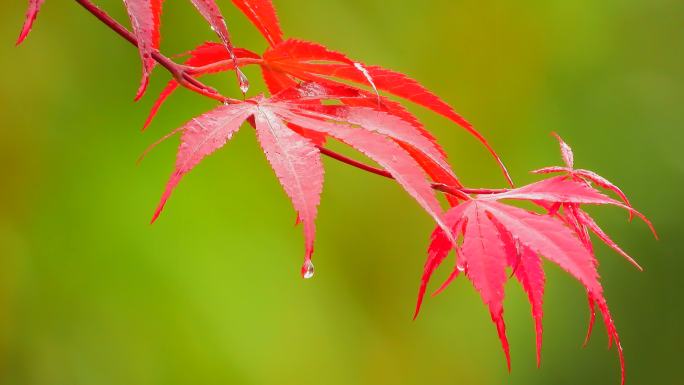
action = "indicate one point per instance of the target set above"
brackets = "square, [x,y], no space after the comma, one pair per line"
[496,235]
[295,158]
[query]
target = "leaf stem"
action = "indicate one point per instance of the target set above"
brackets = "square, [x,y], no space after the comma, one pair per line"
[460,192]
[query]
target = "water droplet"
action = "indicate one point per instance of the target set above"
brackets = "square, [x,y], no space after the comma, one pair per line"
[460,267]
[308,270]
[244,82]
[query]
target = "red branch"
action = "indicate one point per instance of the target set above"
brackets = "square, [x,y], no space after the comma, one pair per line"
[183,74]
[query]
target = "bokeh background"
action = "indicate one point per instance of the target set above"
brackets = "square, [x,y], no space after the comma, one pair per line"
[90,293]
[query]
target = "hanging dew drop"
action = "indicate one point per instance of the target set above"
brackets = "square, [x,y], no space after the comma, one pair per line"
[244,87]
[244,82]
[308,270]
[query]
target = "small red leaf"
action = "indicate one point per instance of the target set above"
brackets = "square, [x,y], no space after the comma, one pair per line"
[313,62]
[31,14]
[587,175]
[166,92]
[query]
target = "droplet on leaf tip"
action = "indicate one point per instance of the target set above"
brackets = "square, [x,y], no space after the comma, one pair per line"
[244,82]
[308,270]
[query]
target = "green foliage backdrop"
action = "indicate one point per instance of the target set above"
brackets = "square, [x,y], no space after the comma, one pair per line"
[90,293]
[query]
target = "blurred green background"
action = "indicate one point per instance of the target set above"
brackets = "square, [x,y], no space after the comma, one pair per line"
[90,293]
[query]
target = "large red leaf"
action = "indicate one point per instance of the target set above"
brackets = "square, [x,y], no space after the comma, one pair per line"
[263,15]
[145,20]
[387,117]
[556,242]
[313,62]
[295,158]
[31,14]
[496,235]
[296,161]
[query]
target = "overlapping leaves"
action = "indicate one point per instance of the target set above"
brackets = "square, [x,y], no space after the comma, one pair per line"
[496,236]
[280,123]
[287,63]
[320,94]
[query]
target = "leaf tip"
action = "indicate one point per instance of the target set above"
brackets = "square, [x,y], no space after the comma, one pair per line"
[421,296]
[21,38]
[143,87]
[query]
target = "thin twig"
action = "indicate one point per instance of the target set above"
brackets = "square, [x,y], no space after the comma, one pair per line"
[459,192]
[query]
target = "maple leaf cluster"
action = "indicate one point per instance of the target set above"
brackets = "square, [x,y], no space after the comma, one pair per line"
[319,94]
